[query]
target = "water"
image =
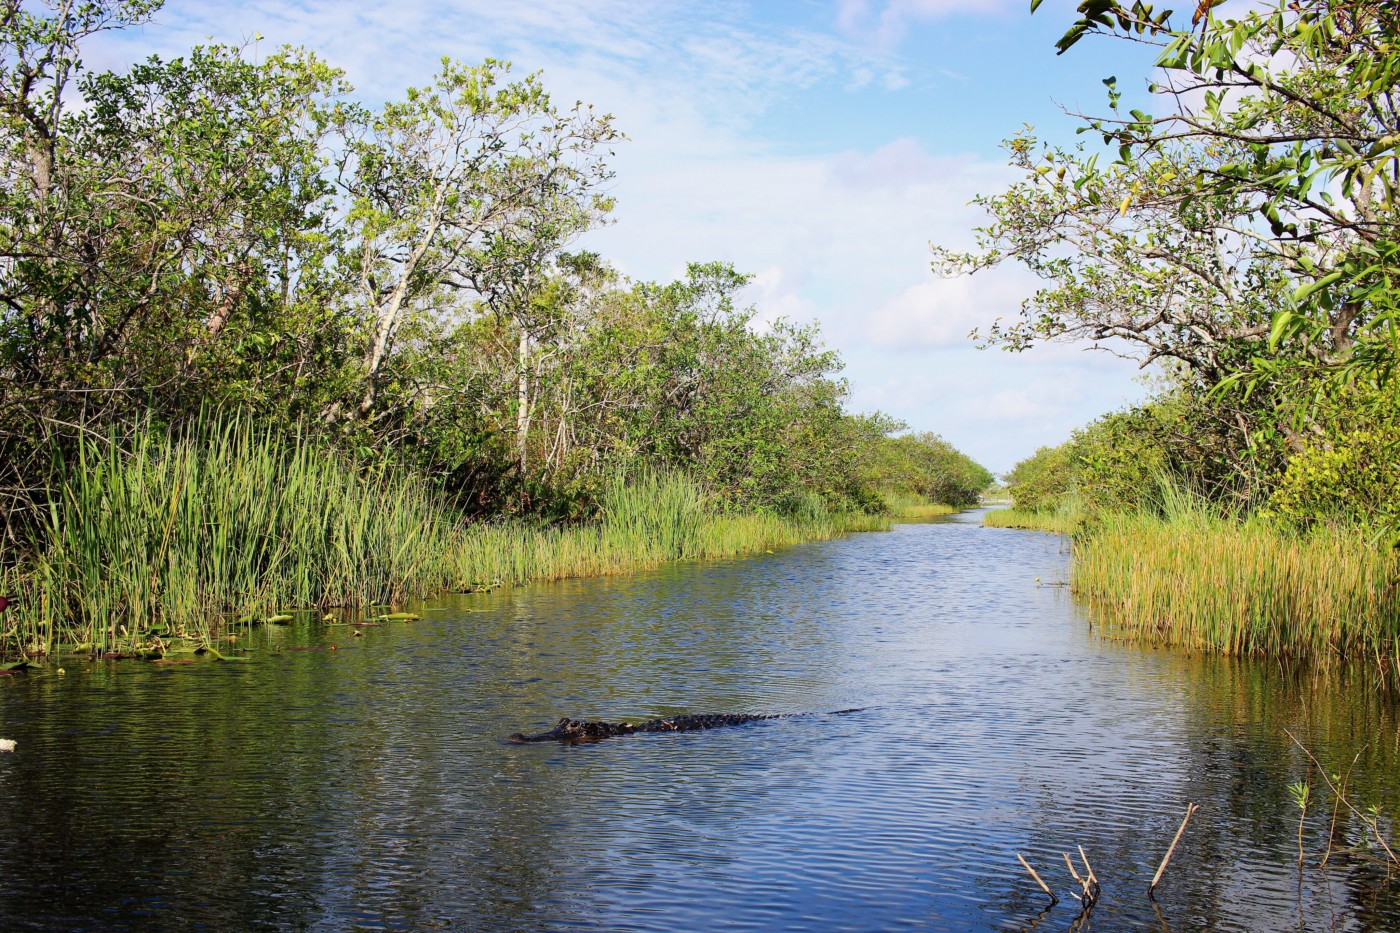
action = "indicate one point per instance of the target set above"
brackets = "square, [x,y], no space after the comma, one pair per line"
[368,787]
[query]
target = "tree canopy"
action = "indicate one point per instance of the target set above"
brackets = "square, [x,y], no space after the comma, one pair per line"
[213,233]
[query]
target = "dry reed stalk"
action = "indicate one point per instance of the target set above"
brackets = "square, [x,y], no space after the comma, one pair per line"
[1088,869]
[1191,808]
[1043,886]
[1090,885]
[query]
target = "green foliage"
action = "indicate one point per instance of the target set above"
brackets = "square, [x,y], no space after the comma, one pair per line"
[925,466]
[1247,237]
[1288,110]
[470,183]
[1044,480]
[1348,471]
[1117,462]
[387,298]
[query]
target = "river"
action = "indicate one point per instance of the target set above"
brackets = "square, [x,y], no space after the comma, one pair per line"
[368,787]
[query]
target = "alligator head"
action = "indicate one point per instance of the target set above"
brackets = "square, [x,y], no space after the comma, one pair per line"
[573,730]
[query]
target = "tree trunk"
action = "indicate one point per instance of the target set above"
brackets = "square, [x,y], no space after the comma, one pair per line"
[522,400]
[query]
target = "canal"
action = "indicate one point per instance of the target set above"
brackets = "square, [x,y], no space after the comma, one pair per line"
[369,786]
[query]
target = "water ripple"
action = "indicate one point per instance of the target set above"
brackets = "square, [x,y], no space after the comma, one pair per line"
[369,788]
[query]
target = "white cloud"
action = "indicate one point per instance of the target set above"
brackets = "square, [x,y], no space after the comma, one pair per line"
[774,296]
[903,163]
[941,312]
[884,23]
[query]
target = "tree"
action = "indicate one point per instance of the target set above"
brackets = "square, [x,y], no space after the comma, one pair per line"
[1249,226]
[456,176]
[1307,92]
[152,240]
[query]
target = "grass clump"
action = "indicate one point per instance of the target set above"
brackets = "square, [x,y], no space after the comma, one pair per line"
[1243,587]
[911,507]
[1054,521]
[1065,516]
[183,536]
[209,526]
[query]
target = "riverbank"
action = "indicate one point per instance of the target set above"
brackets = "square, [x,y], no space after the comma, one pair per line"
[1201,581]
[1055,522]
[187,539]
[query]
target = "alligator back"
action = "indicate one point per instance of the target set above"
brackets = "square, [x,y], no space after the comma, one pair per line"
[573,731]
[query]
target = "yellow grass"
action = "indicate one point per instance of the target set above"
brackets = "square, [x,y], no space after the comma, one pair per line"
[1056,522]
[1243,588]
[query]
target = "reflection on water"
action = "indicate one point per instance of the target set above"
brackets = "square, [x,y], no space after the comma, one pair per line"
[369,788]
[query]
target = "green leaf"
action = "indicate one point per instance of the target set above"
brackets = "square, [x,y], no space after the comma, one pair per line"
[1312,288]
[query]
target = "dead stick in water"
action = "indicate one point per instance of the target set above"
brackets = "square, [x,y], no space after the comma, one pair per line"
[1087,867]
[1191,808]
[1043,886]
[1073,874]
[1089,887]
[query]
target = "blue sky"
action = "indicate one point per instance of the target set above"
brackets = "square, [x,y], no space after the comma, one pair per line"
[818,144]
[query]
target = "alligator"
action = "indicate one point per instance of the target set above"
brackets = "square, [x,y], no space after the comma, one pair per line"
[574,731]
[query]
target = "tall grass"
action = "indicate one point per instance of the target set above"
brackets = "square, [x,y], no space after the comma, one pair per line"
[184,536]
[1205,581]
[1065,520]
[217,525]
[911,507]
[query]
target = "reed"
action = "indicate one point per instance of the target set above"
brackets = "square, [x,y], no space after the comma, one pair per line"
[911,507]
[1242,587]
[181,534]
[185,536]
[1059,521]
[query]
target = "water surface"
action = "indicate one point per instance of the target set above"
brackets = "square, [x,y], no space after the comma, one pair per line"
[369,787]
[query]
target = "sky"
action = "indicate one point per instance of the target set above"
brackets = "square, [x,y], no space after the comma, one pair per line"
[819,145]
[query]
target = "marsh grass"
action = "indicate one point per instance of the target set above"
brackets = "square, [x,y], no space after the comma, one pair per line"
[910,507]
[1200,580]
[1059,521]
[186,536]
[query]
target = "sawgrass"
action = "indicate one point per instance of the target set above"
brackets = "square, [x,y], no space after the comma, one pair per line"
[1204,581]
[189,535]
[910,507]
[1058,522]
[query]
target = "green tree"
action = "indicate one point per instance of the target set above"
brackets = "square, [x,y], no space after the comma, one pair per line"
[1289,115]
[457,177]
[152,240]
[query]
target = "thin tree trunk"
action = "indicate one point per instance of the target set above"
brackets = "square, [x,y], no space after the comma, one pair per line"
[522,399]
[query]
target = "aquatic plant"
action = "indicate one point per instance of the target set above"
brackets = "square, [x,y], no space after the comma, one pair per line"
[183,536]
[1203,580]
[912,507]
[1057,521]
[182,533]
